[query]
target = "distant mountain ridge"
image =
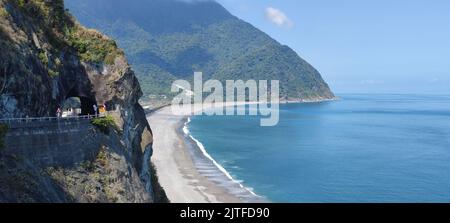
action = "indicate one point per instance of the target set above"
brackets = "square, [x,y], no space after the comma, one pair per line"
[167,40]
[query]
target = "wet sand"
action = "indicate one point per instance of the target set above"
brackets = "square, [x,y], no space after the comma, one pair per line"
[186,173]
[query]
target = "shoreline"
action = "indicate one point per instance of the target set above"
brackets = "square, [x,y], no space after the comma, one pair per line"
[185,170]
[221,176]
[174,160]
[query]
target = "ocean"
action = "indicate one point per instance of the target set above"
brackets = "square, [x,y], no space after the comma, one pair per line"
[362,148]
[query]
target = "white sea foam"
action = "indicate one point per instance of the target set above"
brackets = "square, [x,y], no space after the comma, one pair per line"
[219,167]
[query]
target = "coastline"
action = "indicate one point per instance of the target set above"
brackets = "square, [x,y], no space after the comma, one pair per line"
[185,170]
[215,172]
[175,161]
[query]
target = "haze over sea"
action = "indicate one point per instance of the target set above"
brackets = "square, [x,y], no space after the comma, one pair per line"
[363,148]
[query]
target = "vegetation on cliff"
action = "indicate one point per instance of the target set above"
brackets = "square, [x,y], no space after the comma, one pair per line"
[56,32]
[98,173]
[19,182]
[46,57]
[92,46]
[105,123]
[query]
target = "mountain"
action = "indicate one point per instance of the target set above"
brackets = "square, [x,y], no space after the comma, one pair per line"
[46,58]
[167,40]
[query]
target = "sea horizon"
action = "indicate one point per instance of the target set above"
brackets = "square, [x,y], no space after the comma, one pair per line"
[363,106]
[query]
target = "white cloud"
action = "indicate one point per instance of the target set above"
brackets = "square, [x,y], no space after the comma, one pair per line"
[278,17]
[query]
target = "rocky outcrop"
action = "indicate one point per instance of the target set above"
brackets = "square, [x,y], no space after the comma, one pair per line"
[67,161]
[47,57]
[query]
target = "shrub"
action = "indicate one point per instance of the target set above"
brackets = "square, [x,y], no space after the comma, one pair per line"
[20,3]
[3,12]
[102,157]
[104,124]
[3,130]
[43,58]
[53,73]
[110,58]
[91,45]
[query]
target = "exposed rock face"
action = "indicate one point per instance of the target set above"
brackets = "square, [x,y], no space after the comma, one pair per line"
[69,161]
[45,58]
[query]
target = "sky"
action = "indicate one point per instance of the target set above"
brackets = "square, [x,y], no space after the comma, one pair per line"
[372,46]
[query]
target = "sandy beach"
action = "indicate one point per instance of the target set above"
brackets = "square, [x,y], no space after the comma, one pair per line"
[185,172]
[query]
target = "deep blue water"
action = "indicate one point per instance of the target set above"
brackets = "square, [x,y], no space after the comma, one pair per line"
[363,148]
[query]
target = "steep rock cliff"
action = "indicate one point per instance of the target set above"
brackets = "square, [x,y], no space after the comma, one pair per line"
[47,57]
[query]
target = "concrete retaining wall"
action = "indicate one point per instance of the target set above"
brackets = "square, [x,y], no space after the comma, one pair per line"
[53,143]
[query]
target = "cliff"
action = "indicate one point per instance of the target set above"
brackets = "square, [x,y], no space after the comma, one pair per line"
[45,58]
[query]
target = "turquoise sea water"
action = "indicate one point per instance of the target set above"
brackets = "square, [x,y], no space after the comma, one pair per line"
[363,148]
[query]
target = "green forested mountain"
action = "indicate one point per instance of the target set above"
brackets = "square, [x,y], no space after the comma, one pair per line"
[170,39]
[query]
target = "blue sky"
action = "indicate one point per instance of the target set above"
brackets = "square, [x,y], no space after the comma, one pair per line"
[372,46]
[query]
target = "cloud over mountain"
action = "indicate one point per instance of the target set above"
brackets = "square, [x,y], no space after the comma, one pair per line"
[278,17]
